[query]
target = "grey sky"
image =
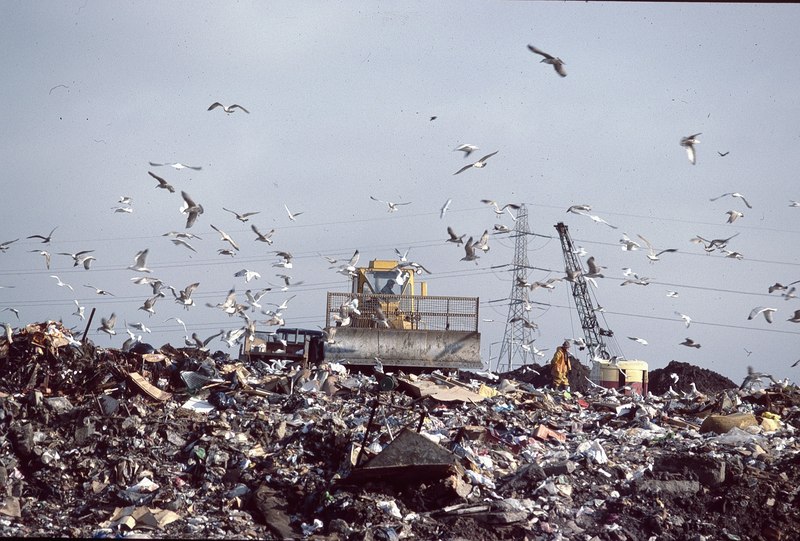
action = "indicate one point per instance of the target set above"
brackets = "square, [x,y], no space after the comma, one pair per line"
[340,96]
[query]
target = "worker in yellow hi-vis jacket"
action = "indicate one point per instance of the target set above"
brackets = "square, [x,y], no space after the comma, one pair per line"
[560,366]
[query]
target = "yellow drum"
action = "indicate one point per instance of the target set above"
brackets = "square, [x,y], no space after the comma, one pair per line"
[620,374]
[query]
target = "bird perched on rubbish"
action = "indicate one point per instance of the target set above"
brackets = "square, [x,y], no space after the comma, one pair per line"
[554,61]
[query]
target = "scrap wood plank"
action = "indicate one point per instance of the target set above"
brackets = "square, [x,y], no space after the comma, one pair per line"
[148,388]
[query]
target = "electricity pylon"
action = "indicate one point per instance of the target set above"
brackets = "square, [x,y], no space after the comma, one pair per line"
[518,327]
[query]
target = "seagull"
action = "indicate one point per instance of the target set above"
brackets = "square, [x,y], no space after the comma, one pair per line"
[652,255]
[179,321]
[685,318]
[762,310]
[733,194]
[4,245]
[733,215]
[754,377]
[392,206]
[554,61]
[594,268]
[228,109]
[599,220]
[148,304]
[78,258]
[79,310]
[241,217]
[350,267]
[795,318]
[483,242]
[292,215]
[286,262]
[498,210]
[722,154]
[226,251]
[192,209]
[402,256]
[46,255]
[225,237]
[628,244]
[466,149]
[671,293]
[107,325]
[162,183]
[793,203]
[253,298]
[444,208]
[98,290]
[777,286]
[248,274]
[140,327]
[688,143]
[479,164]
[127,210]
[14,310]
[579,209]
[262,237]
[44,239]
[639,340]
[674,376]
[500,228]
[60,283]
[469,248]
[181,242]
[734,255]
[125,199]
[139,264]
[176,165]
[185,296]
[453,237]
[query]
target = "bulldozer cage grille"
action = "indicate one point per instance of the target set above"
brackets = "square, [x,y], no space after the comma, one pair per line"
[430,313]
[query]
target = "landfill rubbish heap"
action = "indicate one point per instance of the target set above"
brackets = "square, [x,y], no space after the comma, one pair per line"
[190,443]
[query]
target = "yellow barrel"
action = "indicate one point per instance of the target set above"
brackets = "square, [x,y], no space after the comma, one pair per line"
[616,375]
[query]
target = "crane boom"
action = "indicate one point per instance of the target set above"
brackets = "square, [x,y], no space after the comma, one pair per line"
[592,332]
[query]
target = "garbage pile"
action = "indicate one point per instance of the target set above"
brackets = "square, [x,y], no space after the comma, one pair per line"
[189,443]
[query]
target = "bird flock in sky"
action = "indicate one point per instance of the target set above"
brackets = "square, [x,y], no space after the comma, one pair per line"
[474,246]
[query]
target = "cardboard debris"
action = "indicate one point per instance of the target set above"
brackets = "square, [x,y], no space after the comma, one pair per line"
[148,388]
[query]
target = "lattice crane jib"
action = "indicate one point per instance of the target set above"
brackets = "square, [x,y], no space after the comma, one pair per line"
[593,334]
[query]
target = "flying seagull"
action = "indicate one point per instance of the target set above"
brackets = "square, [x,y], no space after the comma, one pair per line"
[107,324]
[688,143]
[46,255]
[733,215]
[140,262]
[723,154]
[684,317]
[60,283]
[162,183]
[639,340]
[292,215]
[444,208]
[579,209]
[795,318]
[469,249]
[466,149]
[241,217]
[181,242]
[554,61]
[248,274]
[733,194]
[185,296]
[44,239]
[191,209]
[262,237]
[479,164]
[453,237]
[4,245]
[98,290]
[225,236]
[762,310]
[177,165]
[228,109]
[652,255]
[392,206]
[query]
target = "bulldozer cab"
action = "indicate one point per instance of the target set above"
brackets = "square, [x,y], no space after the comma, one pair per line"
[387,288]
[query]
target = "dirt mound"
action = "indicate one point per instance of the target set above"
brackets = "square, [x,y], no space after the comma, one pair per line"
[706,381]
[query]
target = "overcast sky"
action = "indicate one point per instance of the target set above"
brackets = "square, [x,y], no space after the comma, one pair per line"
[340,98]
